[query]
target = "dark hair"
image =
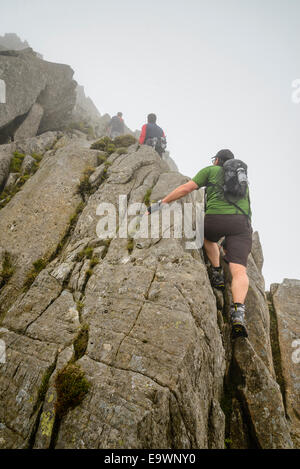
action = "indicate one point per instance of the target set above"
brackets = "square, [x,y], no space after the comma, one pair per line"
[120,114]
[224,155]
[151,118]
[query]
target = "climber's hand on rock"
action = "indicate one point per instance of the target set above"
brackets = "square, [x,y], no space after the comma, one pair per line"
[154,207]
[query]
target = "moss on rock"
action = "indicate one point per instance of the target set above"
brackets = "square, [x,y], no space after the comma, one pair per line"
[71,387]
[8,269]
[16,162]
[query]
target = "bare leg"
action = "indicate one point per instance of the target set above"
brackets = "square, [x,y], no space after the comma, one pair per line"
[240,282]
[213,252]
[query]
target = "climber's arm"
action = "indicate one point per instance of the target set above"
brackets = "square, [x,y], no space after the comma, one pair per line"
[176,194]
[180,191]
[143,134]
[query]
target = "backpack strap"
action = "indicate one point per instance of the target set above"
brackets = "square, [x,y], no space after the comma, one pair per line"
[210,184]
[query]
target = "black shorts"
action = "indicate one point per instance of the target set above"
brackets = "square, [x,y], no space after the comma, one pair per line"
[238,235]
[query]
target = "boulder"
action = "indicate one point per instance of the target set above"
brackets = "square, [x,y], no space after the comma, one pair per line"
[42,209]
[6,152]
[11,41]
[30,125]
[261,399]
[286,303]
[30,80]
[136,315]
[27,164]
[11,180]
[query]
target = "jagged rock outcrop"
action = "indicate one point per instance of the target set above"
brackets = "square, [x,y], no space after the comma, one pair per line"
[286,309]
[54,185]
[11,41]
[136,319]
[30,81]
[121,342]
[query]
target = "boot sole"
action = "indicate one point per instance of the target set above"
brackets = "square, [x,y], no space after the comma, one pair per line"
[238,330]
[219,287]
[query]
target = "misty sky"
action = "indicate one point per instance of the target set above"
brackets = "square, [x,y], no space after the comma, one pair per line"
[218,74]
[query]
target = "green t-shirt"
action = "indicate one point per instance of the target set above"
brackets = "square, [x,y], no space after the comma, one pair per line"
[216,203]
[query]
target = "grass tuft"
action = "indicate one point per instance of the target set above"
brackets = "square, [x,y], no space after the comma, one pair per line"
[71,387]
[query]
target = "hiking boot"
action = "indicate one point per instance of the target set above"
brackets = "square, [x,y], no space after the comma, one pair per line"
[237,316]
[217,278]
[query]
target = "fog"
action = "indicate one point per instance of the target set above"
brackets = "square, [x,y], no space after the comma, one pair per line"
[218,74]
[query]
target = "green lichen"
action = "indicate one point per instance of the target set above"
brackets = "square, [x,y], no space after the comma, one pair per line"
[72,222]
[85,187]
[75,215]
[7,195]
[16,162]
[94,262]
[71,387]
[124,141]
[111,148]
[147,197]
[47,422]
[37,267]
[102,144]
[227,443]
[122,151]
[81,342]
[7,270]
[85,253]
[38,158]
[44,386]
[101,159]
[80,306]
[130,245]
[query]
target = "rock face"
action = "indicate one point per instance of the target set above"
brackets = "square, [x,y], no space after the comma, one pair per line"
[28,212]
[119,341]
[11,41]
[30,80]
[31,124]
[137,316]
[286,303]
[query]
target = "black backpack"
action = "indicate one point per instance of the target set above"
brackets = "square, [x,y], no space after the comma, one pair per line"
[235,179]
[158,143]
[116,124]
[235,182]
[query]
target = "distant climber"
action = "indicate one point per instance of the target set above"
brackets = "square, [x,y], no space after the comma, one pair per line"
[227,214]
[116,126]
[153,135]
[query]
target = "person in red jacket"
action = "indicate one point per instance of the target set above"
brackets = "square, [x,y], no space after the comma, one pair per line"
[153,135]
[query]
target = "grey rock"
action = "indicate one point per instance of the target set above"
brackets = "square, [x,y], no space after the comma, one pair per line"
[30,125]
[97,175]
[27,164]
[286,302]
[11,180]
[63,313]
[30,80]
[6,152]
[262,399]
[54,185]
[11,41]
[158,342]
[39,144]
[27,362]
[170,162]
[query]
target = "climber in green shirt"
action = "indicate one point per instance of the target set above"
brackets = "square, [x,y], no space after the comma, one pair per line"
[223,218]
